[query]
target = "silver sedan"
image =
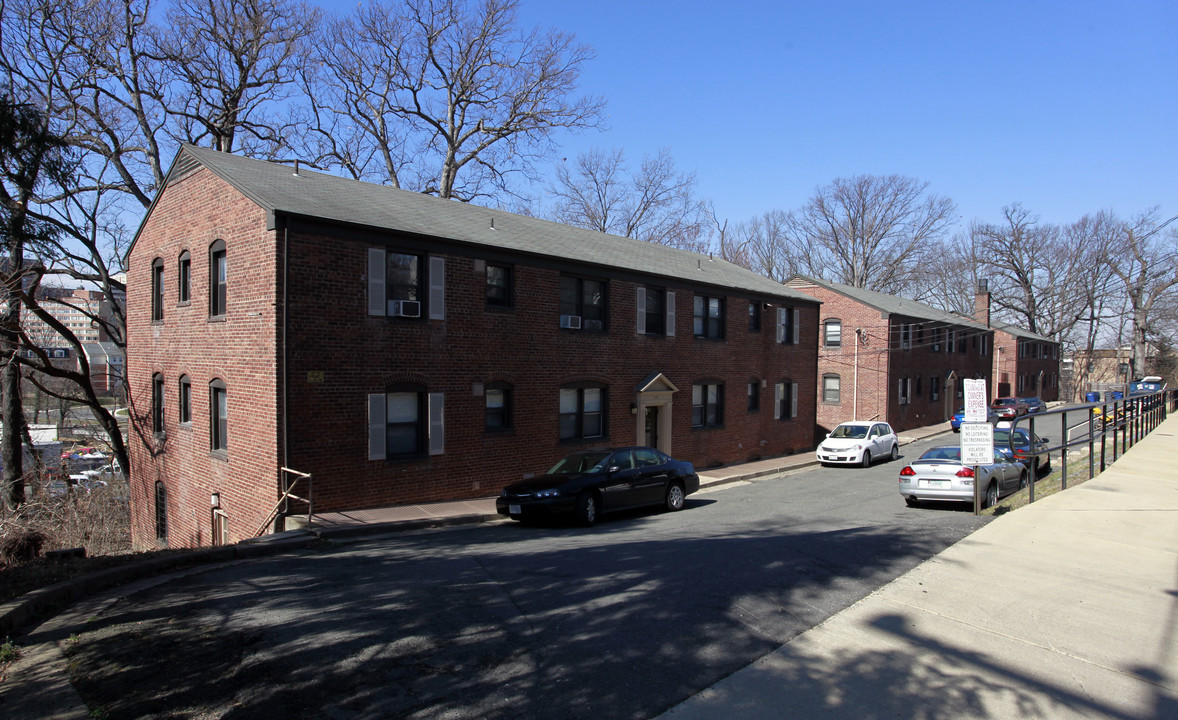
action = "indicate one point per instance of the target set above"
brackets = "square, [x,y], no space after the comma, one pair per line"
[938,474]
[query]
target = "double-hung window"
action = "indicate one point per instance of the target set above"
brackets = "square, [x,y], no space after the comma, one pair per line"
[709,317]
[832,333]
[754,316]
[218,416]
[785,400]
[498,406]
[405,422]
[656,311]
[218,276]
[754,395]
[185,404]
[498,286]
[831,389]
[707,405]
[788,326]
[904,390]
[399,285]
[184,274]
[582,303]
[157,290]
[157,404]
[582,412]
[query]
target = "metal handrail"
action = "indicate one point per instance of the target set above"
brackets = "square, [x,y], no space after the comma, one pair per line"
[1124,421]
[283,502]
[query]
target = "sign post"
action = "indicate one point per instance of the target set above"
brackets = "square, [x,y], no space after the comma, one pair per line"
[977,448]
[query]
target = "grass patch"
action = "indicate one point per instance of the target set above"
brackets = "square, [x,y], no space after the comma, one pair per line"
[1053,483]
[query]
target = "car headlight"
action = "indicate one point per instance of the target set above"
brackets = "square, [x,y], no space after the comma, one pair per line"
[548,493]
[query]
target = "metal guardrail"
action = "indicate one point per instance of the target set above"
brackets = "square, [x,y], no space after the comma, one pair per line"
[1108,427]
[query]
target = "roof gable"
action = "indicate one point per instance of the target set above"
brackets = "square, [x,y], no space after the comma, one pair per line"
[888,304]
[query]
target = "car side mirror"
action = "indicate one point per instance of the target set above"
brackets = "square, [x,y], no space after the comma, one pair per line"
[613,469]
[1044,440]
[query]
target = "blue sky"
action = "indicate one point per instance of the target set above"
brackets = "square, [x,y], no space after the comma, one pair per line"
[1068,107]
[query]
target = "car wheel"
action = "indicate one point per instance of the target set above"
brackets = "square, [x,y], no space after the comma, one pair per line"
[1097,425]
[675,497]
[991,495]
[866,458]
[1022,480]
[911,502]
[587,509]
[895,451]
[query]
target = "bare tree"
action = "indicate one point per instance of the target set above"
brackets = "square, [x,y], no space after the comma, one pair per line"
[446,97]
[229,65]
[1146,264]
[764,245]
[657,203]
[31,156]
[868,231]
[1038,272]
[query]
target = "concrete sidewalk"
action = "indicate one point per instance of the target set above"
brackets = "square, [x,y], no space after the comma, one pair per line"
[1066,608]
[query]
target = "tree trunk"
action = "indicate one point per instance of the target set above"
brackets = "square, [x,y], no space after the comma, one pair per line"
[11,412]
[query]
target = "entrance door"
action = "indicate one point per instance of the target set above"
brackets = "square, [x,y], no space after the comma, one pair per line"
[652,426]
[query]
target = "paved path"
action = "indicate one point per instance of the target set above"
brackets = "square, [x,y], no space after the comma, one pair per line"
[1067,608]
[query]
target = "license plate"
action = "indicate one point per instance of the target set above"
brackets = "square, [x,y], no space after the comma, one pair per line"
[513,510]
[934,483]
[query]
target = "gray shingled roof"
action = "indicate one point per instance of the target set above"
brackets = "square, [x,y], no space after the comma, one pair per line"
[1019,332]
[276,189]
[892,304]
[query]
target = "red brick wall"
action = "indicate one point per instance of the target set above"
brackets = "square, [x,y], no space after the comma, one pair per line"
[338,355]
[475,345]
[239,349]
[871,392]
[1008,366]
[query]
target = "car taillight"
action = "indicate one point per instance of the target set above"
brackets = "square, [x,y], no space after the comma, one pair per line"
[965,472]
[907,471]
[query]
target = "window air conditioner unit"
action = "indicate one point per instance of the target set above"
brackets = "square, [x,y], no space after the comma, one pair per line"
[904,344]
[405,308]
[572,322]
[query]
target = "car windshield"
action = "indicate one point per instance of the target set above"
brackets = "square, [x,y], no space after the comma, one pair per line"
[854,432]
[1004,401]
[582,462]
[1002,437]
[942,453]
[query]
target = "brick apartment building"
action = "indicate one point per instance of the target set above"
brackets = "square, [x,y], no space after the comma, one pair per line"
[1025,364]
[401,348]
[882,357]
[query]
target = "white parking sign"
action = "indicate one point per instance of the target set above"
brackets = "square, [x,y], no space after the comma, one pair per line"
[975,400]
[977,443]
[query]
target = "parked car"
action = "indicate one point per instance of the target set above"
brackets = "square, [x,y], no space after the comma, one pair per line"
[1034,405]
[1009,407]
[858,443]
[938,474]
[1036,458]
[587,484]
[959,417]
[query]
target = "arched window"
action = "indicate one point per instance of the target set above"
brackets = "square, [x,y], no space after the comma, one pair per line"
[184,276]
[832,333]
[218,274]
[831,389]
[157,290]
[218,416]
[161,512]
[157,403]
[185,405]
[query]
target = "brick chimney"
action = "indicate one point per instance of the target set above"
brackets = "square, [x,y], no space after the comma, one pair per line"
[981,303]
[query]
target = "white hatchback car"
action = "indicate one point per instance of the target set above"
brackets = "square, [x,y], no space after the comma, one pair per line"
[858,443]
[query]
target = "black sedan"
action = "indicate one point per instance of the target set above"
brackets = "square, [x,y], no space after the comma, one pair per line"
[587,484]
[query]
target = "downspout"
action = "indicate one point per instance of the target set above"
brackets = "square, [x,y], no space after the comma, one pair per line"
[855,381]
[285,353]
